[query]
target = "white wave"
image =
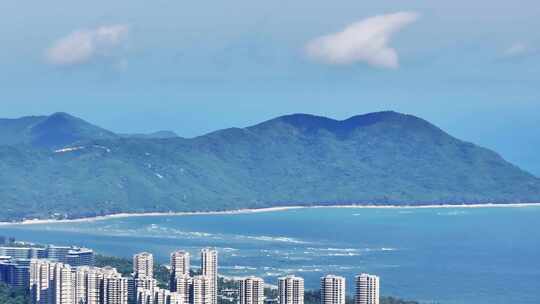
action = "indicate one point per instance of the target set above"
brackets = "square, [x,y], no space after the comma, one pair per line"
[238,267]
[344,254]
[265,238]
[228,249]
[69,149]
[380,249]
[343,249]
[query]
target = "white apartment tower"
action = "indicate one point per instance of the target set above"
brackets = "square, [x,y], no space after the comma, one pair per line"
[367,289]
[63,283]
[332,290]
[179,266]
[291,290]
[50,283]
[114,288]
[202,291]
[87,281]
[143,265]
[251,290]
[57,283]
[180,263]
[183,287]
[209,268]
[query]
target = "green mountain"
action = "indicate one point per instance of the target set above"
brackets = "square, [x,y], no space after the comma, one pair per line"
[378,158]
[54,131]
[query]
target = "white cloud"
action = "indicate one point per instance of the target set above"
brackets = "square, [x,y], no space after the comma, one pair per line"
[517,49]
[84,45]
[363,41]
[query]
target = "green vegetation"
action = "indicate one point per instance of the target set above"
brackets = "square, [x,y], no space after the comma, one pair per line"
[12,296]
[314,297]
[124,266]
[391,300]
[378,158]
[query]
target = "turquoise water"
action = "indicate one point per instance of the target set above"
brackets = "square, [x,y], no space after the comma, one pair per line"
[469,255]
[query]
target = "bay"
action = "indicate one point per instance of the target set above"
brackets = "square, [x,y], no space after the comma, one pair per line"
[443,255]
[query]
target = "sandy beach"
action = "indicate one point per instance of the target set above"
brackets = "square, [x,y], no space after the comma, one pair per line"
[261,210]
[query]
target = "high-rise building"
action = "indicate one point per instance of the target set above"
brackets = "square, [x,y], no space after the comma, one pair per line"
[367,289]
[179,266]
[158,296]
[143,284]
[56,283]
[143,265]
[23,252]
[73,256]
[87,285]
[175,298]
[58,253]
[332,290]
[209,268]
[114,287]
[251,290]
[15,272]
[183,287]
[291,290]
[51,282]
[201,290]
[76,257]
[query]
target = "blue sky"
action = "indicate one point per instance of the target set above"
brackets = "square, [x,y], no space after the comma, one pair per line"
[196,66]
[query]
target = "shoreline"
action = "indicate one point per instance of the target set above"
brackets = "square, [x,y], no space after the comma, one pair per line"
[263,210]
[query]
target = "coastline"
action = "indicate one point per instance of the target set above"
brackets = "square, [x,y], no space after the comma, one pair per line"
[264,210]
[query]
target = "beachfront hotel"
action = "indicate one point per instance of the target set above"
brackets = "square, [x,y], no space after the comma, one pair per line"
[332,289]
[251,290]
[290,290]
[367,289]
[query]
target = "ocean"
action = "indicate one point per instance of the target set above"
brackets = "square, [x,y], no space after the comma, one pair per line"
[442,255]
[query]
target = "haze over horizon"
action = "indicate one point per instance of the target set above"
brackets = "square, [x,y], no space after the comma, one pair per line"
[131,67]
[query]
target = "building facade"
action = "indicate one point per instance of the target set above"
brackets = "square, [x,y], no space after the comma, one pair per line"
[291,290]
[180,266]
[76,257]
[251,290]
[15,272]
[50,283]
[202,291]
[143,265]
[209,269]
[57,283]
[333,290]
[23,252]
[367,289]
[184,284]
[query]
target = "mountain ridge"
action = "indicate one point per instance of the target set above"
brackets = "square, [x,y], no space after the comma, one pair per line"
[298,159]
[49,131]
